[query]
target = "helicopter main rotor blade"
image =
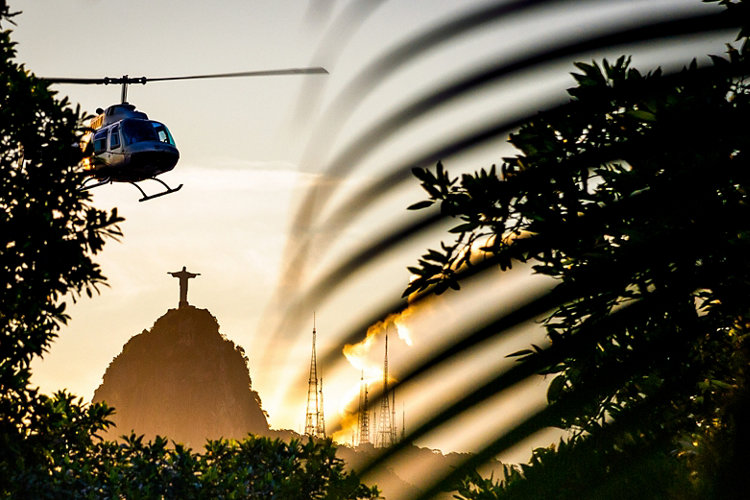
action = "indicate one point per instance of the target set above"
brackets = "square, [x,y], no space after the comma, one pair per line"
[143,80]
[273,72]
[90,81]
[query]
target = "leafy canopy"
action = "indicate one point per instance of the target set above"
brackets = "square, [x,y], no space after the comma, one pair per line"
[634,197]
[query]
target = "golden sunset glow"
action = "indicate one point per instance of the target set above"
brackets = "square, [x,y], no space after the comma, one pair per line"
[369,363]
[249,155]
[348,427]
[86,163]
[357,354]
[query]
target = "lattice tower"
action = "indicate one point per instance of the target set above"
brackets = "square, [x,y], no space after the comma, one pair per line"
[384,435]
[313,426]
[403,421]
[321,416]
[363,416]
[394,425]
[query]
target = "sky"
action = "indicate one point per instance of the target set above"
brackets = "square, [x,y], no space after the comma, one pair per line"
[252,148]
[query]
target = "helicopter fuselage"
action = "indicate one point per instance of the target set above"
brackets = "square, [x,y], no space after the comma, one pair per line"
[128,147]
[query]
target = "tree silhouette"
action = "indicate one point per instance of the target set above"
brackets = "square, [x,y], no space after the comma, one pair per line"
[49,232]
[633,198]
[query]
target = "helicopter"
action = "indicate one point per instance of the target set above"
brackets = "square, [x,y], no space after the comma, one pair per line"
[126,146]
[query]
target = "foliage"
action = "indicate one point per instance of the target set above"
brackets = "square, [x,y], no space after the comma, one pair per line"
[578,472]
[49,228]
[634,197]
[50,446]
[48,233]
[252,468]
[75,463]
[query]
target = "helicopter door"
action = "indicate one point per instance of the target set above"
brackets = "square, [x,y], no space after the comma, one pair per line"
[115,146]
[114,137]
[100,142]
[101,156]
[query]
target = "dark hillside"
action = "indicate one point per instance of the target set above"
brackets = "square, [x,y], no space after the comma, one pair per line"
[182,379]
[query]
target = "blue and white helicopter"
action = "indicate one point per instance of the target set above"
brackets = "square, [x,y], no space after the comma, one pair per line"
[128,146]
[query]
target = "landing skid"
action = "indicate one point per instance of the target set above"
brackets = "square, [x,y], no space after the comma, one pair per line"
[100,182]
[168,190]
[86,187]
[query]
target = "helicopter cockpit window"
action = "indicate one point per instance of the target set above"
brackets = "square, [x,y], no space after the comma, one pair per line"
[134,130]
[162,133]
[114,137]
[100,142]
[137,131]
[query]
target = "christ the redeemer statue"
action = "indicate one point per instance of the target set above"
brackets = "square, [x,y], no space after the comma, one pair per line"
[184,276]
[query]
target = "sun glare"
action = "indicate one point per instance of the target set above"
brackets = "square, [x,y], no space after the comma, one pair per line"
[370,366]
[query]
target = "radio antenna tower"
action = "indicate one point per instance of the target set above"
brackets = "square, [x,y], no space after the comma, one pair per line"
[403,421]
[363,417]
[314,425]
[321,415]
[394,425]
[384,436]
